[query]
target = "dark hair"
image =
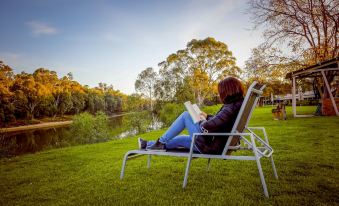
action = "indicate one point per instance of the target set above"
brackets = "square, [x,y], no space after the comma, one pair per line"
[230,90]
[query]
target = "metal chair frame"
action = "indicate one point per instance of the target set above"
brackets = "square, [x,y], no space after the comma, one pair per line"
[240,131]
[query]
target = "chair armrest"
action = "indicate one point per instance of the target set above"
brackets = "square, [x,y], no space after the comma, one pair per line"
[256,128]
[220,134]
[265,142]
[223,134]
[249,143]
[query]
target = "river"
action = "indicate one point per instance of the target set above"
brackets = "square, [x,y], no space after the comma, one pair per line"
[32,141]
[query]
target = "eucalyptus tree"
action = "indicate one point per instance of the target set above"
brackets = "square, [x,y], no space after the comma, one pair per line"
[110,102]
[145,83]
[78,96]
[213,58]
[197,68]
[29,94]
[6,95]
[50,101]
[42,93]
[211,61]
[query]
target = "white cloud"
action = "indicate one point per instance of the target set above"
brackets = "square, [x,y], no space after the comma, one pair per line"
[41,28]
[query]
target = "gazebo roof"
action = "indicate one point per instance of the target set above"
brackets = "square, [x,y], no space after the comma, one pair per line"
[314,70]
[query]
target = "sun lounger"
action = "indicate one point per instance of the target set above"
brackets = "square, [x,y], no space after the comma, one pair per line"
[241,137]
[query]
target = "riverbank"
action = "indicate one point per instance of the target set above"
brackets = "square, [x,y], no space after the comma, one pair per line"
[304,151]
[48,125]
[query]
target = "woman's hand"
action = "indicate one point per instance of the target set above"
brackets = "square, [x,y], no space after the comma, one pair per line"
[203,115]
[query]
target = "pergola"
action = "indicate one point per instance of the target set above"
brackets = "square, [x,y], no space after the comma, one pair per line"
[317,70]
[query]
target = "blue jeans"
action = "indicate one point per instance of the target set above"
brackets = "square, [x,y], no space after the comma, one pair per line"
[171,137]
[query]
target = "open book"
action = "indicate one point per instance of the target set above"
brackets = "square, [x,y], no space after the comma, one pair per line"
[194,111]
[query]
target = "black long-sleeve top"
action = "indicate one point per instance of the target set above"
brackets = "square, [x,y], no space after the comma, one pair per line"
[222,121]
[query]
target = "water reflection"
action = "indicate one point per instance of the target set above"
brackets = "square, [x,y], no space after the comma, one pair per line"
[37,140]
[132,124]
[32,141]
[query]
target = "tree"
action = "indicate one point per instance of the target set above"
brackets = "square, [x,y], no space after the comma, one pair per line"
[199,83]
[95,101]
[6,96]
[172,74]
[145,83]
[78,95]
[135,102]
[308,28]
[46,77]
[49,103]
[201,65]
[112,98]
[213,58]
[28,93]
[42,94]
[78,101]
[266,67]
[211,61]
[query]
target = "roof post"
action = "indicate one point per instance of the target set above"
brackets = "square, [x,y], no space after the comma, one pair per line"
[330,93]
[293,98]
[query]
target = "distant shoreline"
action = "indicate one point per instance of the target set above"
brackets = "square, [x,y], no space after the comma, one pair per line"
[47,125]
[35,126]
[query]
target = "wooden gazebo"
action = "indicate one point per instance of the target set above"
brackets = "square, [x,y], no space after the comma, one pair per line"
[317,70]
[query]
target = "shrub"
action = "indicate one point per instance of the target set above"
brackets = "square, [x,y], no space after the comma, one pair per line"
[170,112]
[140,122]
[87,128]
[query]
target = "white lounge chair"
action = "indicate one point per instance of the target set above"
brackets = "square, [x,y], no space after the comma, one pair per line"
[241,137]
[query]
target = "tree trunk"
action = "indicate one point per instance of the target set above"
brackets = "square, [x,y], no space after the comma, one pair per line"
[150,97]
[30,113]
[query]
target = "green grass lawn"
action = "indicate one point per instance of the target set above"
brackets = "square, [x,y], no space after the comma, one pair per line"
[306,157]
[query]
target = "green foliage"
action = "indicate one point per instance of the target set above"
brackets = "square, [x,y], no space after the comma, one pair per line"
[95,102]
[170,112]
[42,94]
[135,102]
[184,92]
[304,153]
[195,71]
[87,128]
[7,107]
[78,100]
[145,84]
[140,121]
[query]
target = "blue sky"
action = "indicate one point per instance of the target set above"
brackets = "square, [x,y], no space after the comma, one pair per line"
[113,41]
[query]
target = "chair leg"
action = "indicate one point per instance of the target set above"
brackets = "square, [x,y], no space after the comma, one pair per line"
[274,169]
[208,164]
[186,172]
[257,159]
[149,161]
[262,178]
[123,166]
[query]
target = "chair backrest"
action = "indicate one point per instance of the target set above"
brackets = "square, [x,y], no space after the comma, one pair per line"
[245,113]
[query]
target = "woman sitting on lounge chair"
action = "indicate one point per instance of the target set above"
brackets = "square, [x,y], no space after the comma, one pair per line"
[231,95]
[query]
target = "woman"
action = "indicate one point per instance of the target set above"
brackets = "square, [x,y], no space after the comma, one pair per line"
[231,95]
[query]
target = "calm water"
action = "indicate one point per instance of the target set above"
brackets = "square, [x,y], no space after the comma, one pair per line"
[42,139]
